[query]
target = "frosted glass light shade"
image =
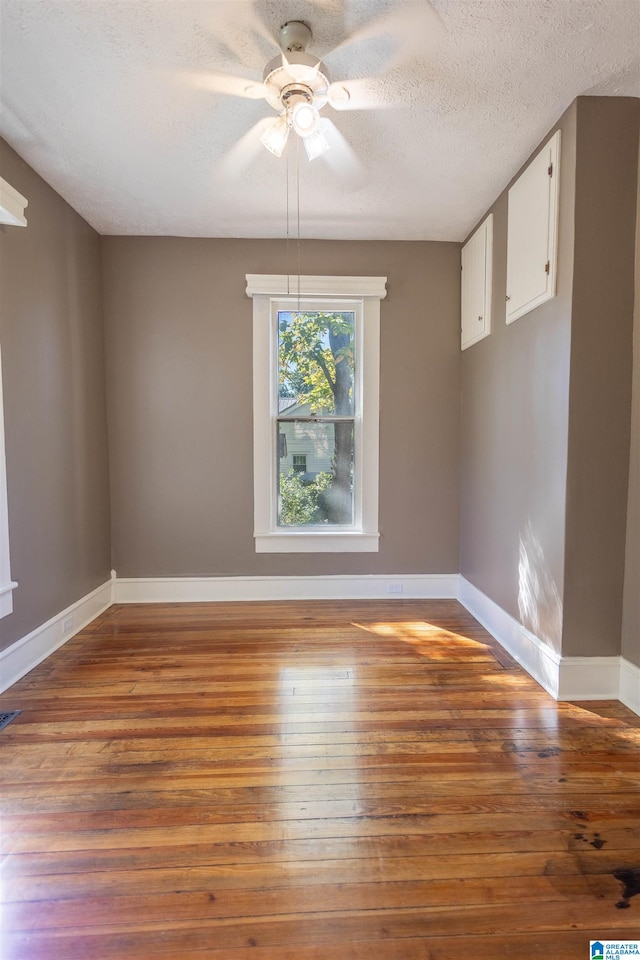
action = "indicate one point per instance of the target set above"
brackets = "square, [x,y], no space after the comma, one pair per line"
[275,136]
[315,145]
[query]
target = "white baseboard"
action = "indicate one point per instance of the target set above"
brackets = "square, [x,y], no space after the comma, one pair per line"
[630,685]
[565,678]
[26,653]
[589,678]
[207,589]
[539,660]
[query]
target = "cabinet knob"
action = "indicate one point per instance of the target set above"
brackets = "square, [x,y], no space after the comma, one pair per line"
[507,297]
[479,319]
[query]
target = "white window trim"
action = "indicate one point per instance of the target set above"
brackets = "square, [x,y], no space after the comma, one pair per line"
[7,585]
[12,205]
[269,538]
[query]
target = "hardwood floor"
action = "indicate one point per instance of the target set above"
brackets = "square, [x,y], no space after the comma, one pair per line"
[310,781]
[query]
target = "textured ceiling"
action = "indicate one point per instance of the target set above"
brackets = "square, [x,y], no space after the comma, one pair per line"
[116,104]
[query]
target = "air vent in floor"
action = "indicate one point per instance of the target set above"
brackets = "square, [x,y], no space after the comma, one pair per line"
[6,718]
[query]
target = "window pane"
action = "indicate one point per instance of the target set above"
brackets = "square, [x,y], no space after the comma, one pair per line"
[316,362]
[323,493]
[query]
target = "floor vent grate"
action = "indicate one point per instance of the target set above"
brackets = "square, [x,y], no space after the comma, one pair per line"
[6,718]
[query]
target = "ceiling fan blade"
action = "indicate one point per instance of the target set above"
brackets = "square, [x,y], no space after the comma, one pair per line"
[341,158]
[236,161]
[404,31]
[261,27]
[366,93]
[419,30]
[240,30]
[225,83]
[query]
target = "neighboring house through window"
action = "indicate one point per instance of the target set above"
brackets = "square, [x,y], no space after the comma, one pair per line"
[316,397]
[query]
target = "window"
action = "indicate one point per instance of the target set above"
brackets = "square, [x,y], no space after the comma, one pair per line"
[316,396]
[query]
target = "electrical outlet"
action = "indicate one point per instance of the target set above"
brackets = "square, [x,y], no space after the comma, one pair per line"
[67,624]
[394,588]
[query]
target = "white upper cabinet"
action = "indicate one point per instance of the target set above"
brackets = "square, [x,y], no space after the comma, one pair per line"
[477,261]
[533,233]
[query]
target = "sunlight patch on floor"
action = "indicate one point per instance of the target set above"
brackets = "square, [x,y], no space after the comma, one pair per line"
[427,639]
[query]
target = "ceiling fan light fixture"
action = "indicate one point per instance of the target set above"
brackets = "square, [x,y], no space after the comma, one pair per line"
[305,119]
[315,145]
[276,135]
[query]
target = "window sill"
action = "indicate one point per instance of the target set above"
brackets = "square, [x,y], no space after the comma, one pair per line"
[320,542]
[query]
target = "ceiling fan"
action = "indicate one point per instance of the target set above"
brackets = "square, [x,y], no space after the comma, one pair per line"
[298,85]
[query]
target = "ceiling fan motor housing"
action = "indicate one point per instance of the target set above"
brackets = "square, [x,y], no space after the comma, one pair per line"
[299,69]
[295,74]
[295,93]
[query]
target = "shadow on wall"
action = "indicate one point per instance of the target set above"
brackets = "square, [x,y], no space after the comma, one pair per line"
[539,600]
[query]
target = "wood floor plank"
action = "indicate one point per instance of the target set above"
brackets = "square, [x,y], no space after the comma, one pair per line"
[52,865]
[204,904]
[428,923]
[292,874]
[482,813]
[505,794]
[568,945]
[318,781]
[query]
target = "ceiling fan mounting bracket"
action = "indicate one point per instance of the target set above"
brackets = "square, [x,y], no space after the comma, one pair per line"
[295,36]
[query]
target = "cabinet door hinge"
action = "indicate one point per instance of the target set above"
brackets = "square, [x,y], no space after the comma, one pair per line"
[547,266]
[550,169]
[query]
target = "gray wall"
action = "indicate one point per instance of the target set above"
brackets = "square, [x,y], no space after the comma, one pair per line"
[515,406]
[631,606]
[601,369]
[54,404]
[546,406]
[179,374]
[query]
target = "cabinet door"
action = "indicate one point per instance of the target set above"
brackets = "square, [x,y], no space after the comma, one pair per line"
[532,233]
[477,260]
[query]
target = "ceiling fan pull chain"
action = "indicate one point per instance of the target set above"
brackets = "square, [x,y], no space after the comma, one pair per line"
[288,264]
[298,211]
